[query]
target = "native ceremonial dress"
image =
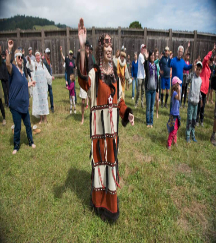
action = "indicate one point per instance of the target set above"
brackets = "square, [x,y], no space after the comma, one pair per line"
[106,106]
[42,77]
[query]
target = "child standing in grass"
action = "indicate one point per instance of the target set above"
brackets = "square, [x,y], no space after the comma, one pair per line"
[70,87]
[193,99]
[174,119]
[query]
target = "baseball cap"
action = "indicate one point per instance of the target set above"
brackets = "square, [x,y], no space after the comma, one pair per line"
[47,50]
[166,48]
[70,52]
[176,80]
[199,64]
[30,48]
[142,46]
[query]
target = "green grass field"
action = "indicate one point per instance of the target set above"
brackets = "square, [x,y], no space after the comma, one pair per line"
[165,196]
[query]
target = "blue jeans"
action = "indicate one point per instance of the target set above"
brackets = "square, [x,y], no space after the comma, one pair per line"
[191,120]
[17,117]
[150,100]
[51,95]
[135,80]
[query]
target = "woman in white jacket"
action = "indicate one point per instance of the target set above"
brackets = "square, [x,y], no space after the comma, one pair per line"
[42,77]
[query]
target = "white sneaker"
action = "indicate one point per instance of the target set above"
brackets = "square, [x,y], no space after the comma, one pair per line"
[74,111]
[4,122]
[70,111]
[132,98]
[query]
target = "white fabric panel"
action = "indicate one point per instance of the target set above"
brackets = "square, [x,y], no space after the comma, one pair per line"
[97,182]
[107,125]
[92,90]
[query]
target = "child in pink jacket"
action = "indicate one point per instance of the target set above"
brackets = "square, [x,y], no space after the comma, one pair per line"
[70,87]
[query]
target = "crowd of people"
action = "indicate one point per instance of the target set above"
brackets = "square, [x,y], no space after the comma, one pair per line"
[103,80]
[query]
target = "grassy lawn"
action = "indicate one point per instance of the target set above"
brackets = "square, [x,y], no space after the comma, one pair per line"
[165,196]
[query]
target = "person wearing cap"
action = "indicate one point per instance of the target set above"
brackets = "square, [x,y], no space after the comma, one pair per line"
[205,75]
[18,96]
[185,76]
[122,71]
[69,62]
[32,57]
[4,76]
[165,76]
[174,123]
[141,76]
[194,97]
[48,65]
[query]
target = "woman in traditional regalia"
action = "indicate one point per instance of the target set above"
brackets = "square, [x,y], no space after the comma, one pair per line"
[104,88]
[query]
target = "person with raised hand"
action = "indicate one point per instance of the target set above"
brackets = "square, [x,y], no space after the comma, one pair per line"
[18,96]
[104,88]
[205,75]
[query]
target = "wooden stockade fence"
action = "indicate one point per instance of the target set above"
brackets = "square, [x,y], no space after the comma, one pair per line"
[201,43]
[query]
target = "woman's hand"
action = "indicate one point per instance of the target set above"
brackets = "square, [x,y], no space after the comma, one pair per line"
[82,33]
[131,119]
[32,83]
[10,45]
[53,77]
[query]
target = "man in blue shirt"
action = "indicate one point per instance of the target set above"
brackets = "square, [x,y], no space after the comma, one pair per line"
[178,64]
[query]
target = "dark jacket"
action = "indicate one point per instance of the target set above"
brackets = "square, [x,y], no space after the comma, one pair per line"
[164,67]
[47,66]
[3,70]
[147,72]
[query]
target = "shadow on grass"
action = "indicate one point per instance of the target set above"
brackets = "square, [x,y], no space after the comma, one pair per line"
[23,139]
[78,181]
[158,138]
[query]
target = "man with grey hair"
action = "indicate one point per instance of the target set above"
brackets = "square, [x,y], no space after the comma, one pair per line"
[178,64]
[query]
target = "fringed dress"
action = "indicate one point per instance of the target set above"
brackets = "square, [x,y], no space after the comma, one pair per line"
[106,107]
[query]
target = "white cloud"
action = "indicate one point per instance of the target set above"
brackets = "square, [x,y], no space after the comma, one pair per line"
[166,14]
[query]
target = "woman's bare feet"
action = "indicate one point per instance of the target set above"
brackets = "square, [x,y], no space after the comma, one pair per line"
[82,121]
[14,152]
[157,115]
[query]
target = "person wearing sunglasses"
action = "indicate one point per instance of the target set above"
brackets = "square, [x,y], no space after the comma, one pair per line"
[18,96]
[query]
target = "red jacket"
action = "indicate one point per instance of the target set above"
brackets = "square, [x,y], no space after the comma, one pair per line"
[205,74]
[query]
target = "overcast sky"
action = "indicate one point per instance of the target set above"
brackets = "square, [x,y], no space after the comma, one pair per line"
[158,14]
